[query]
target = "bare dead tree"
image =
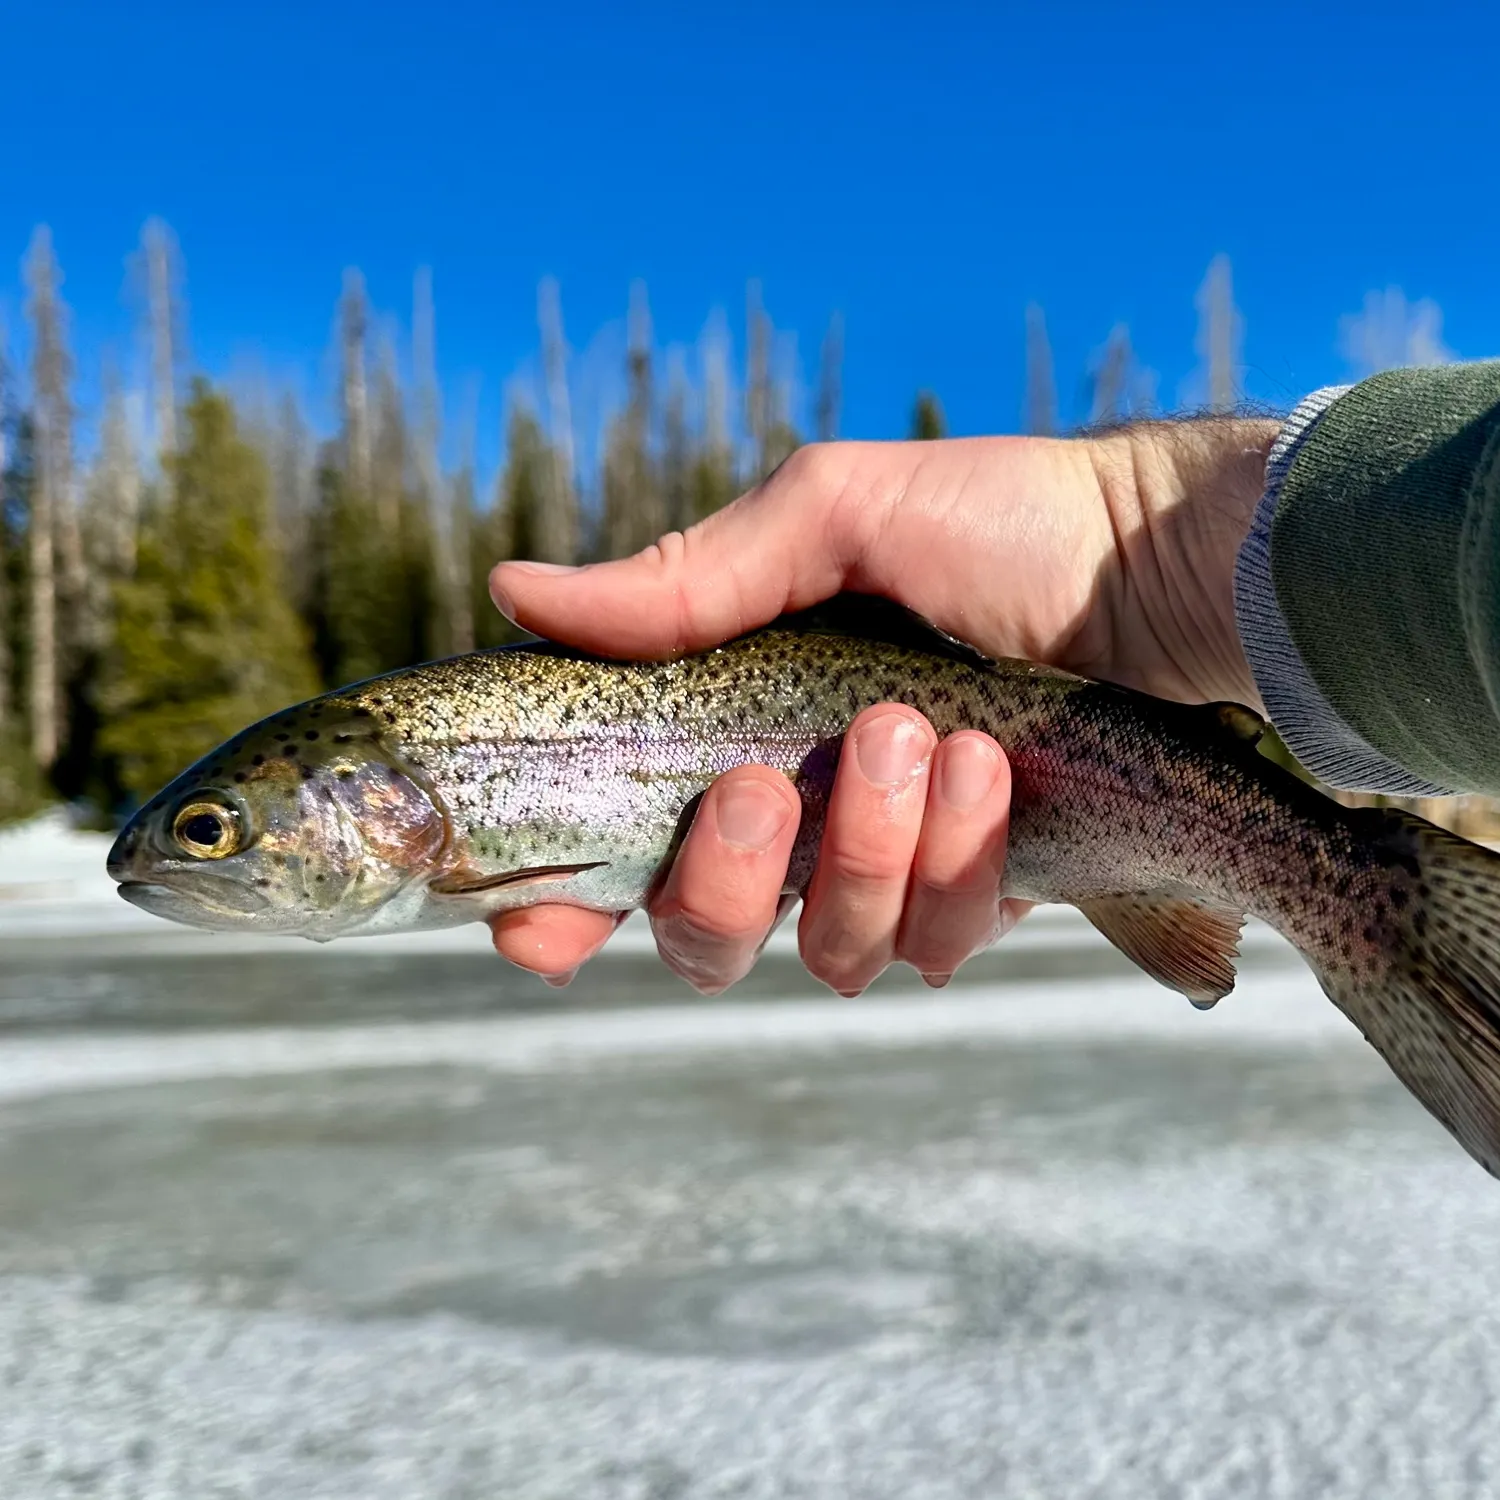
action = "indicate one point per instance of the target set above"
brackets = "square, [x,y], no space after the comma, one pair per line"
[159,249]
[424,362]
[53,438]
[830,380]
[460,534]
[633,515]
[1219,334]
[292,465]
[677,448]
[714,347]
[388,443]
[117,487]
[452,572]
[557,529]
[1114,378]
[353,390]
[1041,384]
[757,377]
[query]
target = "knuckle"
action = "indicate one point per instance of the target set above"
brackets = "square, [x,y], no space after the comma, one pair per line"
[694,926]
[865,863]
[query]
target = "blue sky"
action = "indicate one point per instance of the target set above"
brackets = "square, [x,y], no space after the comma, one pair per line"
[925,170]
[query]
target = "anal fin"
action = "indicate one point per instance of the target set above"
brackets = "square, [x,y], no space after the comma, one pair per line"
[1187,945]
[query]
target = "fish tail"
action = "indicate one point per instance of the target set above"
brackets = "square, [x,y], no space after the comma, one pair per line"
[1416,966]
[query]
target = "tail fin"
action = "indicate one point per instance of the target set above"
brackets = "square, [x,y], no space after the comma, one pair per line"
[1422,980]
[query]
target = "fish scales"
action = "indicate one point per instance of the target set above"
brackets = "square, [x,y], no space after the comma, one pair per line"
[451,791]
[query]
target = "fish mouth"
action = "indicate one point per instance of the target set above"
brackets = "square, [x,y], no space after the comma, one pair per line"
[210,902]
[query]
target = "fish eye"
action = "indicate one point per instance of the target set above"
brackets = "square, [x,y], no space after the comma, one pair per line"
[207,830]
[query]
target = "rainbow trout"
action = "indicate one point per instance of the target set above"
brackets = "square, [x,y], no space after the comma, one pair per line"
[443,793]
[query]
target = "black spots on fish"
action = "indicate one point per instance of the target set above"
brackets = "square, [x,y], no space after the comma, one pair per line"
[308,773]
[1399,897]
[239,776]
[280,736]
[289,750]
[310,734]
[362,713]
[342,739]
[258,760]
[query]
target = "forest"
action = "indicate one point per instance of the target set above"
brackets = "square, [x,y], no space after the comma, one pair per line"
[212,557]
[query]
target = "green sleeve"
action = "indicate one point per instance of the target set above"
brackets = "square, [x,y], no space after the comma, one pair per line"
[1385,557]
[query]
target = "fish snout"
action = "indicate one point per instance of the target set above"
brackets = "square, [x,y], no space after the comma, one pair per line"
[120,863]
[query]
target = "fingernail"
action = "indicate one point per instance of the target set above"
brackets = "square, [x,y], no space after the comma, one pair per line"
[936,981]
[560,981]
[890,748]
[966,772]
[542,569]
[750,814]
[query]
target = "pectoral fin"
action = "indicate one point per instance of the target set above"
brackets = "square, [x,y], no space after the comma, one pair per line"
[1187,945]
[462,883]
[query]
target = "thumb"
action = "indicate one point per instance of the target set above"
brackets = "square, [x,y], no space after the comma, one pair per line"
[772,550]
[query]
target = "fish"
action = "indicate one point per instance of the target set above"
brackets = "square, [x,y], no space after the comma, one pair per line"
[447,792]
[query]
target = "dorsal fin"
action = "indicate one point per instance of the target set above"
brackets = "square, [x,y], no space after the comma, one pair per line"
[1188,945]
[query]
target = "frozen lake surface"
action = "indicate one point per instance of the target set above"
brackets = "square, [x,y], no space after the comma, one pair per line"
[304,1223]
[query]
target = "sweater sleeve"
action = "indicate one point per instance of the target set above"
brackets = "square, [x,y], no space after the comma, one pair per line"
[1368,590]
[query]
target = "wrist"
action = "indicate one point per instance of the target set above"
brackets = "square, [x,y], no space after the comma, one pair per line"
[1181,498]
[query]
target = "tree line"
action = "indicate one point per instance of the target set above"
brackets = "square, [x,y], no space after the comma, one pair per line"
[213,558]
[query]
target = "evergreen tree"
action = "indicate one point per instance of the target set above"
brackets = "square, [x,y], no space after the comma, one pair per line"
[516,524]
[927,420]
[205,640]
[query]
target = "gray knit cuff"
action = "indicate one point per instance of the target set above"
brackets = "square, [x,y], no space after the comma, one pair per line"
[1313,730]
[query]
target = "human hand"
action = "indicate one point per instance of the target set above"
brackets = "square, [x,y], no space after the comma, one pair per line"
[1112,557]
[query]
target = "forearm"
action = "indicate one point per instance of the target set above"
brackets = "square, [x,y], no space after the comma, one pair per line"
[1367,588]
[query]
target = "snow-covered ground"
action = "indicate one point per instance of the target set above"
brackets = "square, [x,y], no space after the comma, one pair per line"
[1039,1235]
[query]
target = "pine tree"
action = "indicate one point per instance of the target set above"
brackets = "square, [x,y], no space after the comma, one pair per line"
[206,641]
[515,523]
[927,420]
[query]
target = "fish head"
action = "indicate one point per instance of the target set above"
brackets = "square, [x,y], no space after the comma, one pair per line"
[306,824]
